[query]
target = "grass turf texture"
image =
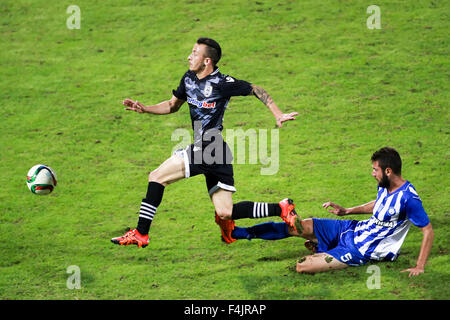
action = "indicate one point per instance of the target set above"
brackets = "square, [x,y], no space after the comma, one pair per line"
[356,90]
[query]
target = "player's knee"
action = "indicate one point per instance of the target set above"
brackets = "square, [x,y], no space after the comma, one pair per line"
[300,266]
[155,176]
[304,269]
[303,266]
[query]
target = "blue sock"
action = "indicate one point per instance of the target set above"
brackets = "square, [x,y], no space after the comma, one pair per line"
[265,231]
[240,233]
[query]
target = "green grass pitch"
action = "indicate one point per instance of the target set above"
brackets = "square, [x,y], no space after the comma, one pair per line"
[356,90]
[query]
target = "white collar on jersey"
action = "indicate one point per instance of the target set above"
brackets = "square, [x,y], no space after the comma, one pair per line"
[214,72]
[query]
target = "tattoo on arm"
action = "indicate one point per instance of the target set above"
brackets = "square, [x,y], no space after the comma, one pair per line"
[262,95]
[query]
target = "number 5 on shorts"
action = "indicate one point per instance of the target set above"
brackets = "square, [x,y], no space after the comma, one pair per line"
[346,257]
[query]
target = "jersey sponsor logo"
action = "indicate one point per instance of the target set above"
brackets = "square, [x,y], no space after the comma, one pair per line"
[201,104]
[389,224]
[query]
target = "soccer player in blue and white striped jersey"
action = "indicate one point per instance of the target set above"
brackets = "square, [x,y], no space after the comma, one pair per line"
[340,243]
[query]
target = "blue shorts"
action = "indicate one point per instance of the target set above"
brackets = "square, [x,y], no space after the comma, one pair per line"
[335,237]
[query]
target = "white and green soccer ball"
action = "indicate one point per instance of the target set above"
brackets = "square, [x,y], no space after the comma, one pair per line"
[41,179]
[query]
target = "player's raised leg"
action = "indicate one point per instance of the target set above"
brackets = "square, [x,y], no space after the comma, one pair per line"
[256,210]
[171,170]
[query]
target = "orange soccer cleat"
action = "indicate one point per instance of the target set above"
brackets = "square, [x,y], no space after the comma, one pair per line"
[288,213]
[132,237]
[226,227]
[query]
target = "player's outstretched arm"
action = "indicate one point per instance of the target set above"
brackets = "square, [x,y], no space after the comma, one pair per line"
[165,107]
[265,98]
[341,211]
[425,248]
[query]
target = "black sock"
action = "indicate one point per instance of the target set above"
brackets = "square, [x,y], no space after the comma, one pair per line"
[253,210]
[149,205]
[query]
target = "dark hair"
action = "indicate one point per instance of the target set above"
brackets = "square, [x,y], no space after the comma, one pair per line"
[388,157]
[213,49]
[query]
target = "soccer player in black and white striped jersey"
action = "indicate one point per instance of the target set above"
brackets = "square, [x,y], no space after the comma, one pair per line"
[207,92]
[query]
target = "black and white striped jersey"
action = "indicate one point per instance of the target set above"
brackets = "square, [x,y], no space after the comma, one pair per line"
[208,98]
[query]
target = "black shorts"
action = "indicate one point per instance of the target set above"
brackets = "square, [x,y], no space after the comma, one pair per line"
[212,161]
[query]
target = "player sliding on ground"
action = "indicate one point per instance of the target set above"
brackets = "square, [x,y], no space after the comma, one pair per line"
[207,92]
[341,243]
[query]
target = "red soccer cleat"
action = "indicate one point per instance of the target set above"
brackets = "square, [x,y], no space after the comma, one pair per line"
[226,227]
[132,237]
[288,213]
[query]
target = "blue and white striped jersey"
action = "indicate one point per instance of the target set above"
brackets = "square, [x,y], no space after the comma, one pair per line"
[208,98]
[381,236]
